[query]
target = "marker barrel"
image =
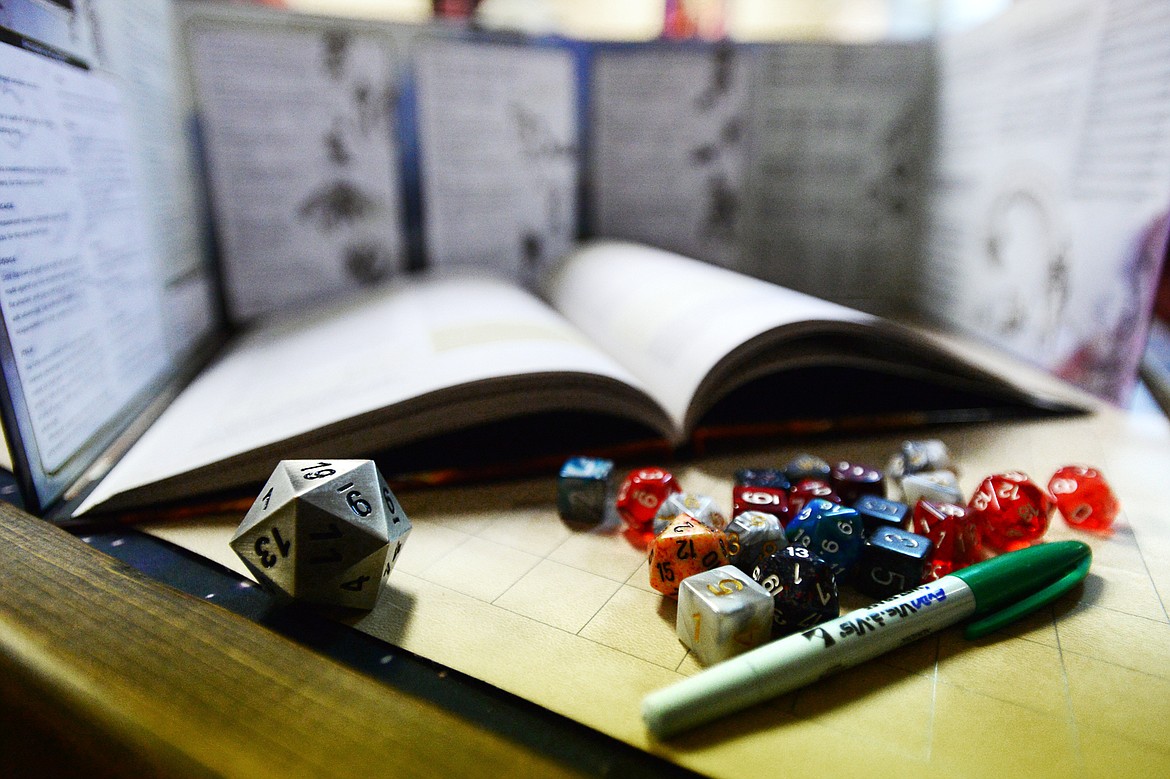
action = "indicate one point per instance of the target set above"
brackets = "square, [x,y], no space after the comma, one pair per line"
[802,658]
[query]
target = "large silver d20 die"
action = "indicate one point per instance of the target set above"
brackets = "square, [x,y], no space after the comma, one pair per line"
[323,531]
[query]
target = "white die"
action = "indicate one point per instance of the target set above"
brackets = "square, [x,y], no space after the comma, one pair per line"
[721,613]
[934,486]
[701,507]
[928,454]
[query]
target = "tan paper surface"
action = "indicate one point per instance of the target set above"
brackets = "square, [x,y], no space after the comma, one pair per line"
[493,584]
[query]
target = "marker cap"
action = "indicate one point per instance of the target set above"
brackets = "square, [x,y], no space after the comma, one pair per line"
[1015,584]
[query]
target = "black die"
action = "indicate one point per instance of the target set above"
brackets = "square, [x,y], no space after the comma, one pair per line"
[892,561]
[880,513]
[803,588]
[584,488]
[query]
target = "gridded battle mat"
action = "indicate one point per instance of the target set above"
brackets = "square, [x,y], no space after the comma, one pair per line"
[492,583]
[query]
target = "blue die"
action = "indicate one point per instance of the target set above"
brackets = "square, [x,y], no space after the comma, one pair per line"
[762,477]
[880,513]
[830,531]
[583,490]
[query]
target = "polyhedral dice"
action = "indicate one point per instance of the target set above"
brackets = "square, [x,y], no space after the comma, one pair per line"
[583,490]
[753,534]
[701,507]
[925,455]
[771,500]
[1010,510]
[686,547]
[852,480]
[803,589]
[807,466]
[642,493]
[892,561]
[878,513]
[830,531]
[805,490]
[721,613]
[1084,498]
[914,457]
[935,486]
[325,532]
[762,477]
[954,534]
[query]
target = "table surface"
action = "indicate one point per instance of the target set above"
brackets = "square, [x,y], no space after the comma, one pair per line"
[493,585]
[106,672]
[516,721]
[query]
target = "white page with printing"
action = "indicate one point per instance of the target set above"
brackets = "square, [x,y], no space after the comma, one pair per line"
[297,375]
[669,319]
[1051,195]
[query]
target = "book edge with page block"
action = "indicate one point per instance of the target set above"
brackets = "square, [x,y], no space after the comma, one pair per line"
[522,422]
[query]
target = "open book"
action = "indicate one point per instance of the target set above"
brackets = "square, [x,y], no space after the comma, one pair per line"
[625,345]
[1011,182]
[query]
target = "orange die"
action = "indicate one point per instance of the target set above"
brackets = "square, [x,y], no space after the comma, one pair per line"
[686,547]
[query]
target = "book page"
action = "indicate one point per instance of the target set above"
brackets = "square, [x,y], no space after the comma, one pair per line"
[669,319]
[799,163]
[839,142]
[1052,187]
[667,148]
[138,43]
[83,305]
[497,127]
[366,354]
[300,129]
[133,42]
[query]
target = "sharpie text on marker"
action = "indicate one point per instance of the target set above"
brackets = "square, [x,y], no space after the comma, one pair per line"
[996,591]
[858,623]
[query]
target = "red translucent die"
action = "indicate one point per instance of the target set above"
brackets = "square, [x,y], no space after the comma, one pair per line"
[805,490]
[642,493]
[686,547]
[955,537]
[1084,498]
[1010,510]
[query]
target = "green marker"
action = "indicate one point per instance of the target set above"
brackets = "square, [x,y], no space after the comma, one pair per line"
[995,592]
